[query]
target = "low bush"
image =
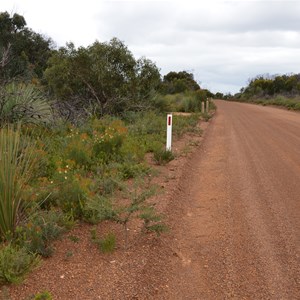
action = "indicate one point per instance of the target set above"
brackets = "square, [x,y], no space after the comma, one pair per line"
[98,209]
[15,263]
[183,124]
[41,296]
[131,170]
[283,101]
[42,228]
[152,221]
[162,157]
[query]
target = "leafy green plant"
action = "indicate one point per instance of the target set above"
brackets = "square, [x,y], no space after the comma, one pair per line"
[17,163]
[162,157]
[40,231]
[15,263]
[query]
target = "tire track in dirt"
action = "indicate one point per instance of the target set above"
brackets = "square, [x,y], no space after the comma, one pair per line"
[236,232]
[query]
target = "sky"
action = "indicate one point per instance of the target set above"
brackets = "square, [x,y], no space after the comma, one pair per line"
[223,43]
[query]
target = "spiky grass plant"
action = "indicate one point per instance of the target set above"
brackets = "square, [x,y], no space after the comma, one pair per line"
[16,167]
[21,102]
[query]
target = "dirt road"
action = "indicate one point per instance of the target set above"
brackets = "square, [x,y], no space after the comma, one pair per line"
[236,233]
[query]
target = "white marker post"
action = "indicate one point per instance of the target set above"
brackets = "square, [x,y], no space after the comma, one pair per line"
[169,132]
[203,107]
[207,105]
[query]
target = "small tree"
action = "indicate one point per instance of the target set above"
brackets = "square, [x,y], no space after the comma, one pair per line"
[105,76]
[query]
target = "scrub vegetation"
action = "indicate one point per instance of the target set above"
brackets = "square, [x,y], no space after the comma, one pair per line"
[76,128]
[283,91]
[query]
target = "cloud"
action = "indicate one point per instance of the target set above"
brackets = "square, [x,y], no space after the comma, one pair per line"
[222,42]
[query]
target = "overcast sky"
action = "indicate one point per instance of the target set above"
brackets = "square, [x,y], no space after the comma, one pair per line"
[223,43]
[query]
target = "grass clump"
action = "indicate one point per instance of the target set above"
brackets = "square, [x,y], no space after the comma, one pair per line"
[162,157]
[41,296]
[106,244]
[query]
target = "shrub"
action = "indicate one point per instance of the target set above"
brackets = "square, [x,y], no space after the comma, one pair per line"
[80,156]
[152,220]
[15,264]
[71,198]
[107,185]
[135,202]
[162,157]
[131,170]
[297,106]
[40,231]
[182,124]
[98,209]
[133,149]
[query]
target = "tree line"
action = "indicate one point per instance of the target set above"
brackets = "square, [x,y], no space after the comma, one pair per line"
[267,86]
[102,78]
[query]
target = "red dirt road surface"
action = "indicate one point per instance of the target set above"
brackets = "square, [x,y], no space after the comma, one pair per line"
[238,233]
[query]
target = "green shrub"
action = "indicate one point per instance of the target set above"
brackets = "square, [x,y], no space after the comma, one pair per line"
[106,244]
[152,220]
[183,124]
[162,157]
[133,149]
[98,209]
[40,231]
[131,170]
[297,106]
[136,196]
[80,157]
[107,185]
[162,103]
[71,198]
[15,263]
